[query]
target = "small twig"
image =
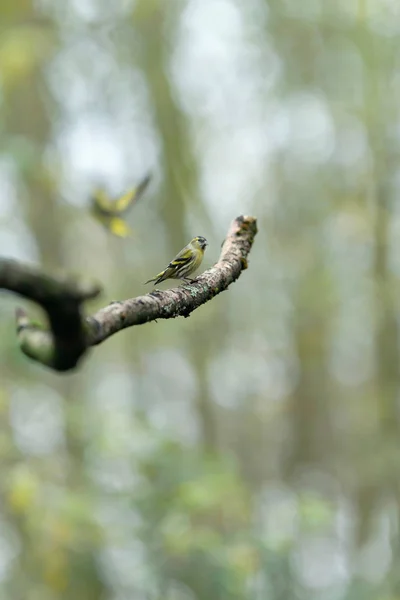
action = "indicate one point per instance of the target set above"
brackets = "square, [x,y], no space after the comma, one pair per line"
[70,335]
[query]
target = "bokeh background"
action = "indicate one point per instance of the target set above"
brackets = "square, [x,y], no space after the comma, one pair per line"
[252,451]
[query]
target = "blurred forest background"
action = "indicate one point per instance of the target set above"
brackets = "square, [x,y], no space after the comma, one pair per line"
[252,451]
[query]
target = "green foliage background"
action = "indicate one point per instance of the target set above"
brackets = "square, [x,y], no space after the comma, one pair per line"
[252,451]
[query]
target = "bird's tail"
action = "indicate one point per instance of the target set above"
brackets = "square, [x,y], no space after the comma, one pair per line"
[157,279]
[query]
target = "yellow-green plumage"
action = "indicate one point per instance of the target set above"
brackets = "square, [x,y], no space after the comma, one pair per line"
[186,262]
[110,212]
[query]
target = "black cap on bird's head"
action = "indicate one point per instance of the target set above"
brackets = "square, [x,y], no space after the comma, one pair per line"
[201,241]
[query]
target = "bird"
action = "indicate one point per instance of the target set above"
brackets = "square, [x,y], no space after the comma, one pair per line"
[185,262]
[110,212]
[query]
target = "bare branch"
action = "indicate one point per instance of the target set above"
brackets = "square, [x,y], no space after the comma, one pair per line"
[70,335]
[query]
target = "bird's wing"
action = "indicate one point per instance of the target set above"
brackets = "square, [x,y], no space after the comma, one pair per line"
[182,257]
[101,202]
[124,202]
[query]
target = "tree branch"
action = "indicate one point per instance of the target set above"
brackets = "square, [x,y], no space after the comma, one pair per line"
[61,298]
[70,335]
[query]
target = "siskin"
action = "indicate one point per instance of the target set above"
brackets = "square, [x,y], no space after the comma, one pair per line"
[186,262]
[109,212]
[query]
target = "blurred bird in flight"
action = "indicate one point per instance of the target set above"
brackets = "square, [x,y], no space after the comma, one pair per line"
[110,212]
[186,262]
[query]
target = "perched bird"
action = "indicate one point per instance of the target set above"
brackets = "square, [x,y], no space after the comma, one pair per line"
[110,212]
[186,262]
